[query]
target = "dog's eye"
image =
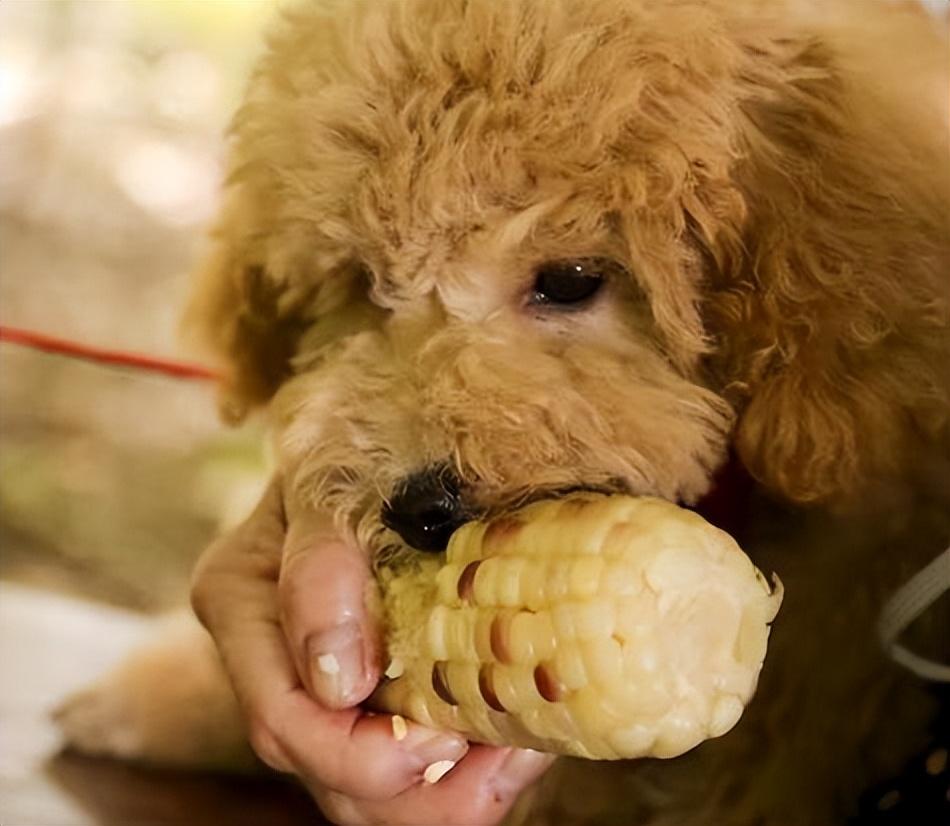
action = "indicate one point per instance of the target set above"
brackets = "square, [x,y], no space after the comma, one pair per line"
[567,282]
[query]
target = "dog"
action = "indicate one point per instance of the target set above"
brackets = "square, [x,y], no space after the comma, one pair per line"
[507,249]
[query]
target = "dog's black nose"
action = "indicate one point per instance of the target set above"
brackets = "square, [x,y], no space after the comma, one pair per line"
[426,508]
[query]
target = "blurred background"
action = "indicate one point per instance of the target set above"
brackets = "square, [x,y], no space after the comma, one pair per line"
[112,117]
[112,122]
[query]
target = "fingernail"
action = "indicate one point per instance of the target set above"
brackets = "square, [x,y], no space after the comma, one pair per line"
[434,747]
[336,664]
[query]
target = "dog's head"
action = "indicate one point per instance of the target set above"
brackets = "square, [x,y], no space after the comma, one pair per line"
[492,249]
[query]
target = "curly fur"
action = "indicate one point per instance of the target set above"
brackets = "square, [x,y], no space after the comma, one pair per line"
[785,230]
[769,179]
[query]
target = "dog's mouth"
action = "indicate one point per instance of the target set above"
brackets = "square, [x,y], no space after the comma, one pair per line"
[425,511]
[428,508]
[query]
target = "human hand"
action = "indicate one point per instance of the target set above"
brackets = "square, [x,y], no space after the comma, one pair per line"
[285,600]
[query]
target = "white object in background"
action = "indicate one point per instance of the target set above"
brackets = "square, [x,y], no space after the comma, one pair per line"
[50,646]
[908,603]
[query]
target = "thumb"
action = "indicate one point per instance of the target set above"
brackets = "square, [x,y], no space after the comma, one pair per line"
[323,587]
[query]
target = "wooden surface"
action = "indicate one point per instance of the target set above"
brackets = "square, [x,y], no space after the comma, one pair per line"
[51,645]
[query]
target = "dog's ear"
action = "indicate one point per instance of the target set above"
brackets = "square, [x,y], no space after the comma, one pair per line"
[243,318]
[832,310]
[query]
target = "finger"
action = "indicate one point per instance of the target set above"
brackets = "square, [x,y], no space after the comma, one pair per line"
[504,772]
[346,750]
[255,658]
[362,759]
[489,779]
[247,558]
[324,583]
[289,731]
[478,791]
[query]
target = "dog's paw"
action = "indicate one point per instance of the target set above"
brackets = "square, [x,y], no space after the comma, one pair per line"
[102,720]
[168,704]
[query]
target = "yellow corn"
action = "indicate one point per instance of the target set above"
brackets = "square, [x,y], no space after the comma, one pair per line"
[597,626]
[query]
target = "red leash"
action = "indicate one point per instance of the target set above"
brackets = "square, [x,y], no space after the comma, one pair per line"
[118,358]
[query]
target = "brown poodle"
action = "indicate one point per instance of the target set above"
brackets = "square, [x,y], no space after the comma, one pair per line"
[513,247]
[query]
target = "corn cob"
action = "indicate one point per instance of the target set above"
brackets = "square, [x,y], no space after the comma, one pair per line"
[597,626]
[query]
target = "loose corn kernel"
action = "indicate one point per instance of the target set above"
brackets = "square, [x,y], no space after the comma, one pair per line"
[400,729]
[395,669]
[598,626]
[436,771]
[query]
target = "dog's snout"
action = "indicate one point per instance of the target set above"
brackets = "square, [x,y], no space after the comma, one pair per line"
[426,508]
